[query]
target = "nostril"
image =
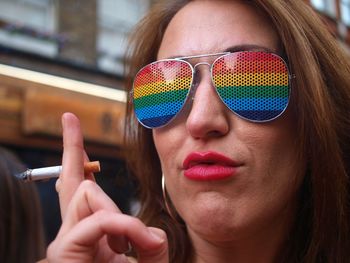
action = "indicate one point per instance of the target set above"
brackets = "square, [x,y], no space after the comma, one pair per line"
[215,133]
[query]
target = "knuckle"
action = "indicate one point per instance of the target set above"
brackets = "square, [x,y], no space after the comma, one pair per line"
[76,145]
[102,214]
[86,186]
[103,217]
[136,222]
[52,251]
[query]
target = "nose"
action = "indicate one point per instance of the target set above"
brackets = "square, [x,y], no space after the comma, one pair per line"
[208,116]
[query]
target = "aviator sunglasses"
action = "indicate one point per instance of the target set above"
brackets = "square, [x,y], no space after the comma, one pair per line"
[252,84]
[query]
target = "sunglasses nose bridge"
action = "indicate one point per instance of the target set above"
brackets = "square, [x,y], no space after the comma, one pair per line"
[196,77]
[200,64]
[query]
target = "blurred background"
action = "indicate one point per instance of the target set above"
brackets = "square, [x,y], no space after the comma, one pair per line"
[67,55]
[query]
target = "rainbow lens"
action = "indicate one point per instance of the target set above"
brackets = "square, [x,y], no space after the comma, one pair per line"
[160,91]
[254,85]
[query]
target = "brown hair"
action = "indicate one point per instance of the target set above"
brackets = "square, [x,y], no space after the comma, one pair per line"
[321,95]
[21,229]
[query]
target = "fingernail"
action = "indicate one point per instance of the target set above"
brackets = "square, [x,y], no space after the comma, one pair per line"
[58,185]
[63,120]
[157,237]
[127,248]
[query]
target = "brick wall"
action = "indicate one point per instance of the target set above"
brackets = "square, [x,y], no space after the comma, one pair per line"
[77,21]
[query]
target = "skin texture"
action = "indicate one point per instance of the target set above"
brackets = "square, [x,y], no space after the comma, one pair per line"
[247,215]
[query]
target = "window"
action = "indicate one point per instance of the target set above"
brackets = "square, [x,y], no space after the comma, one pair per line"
[345,11]
[28,25]
[327,7]
[47,29]
[115,20]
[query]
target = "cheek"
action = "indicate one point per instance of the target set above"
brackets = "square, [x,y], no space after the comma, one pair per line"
[273,173]
[159,142]
[168,144]
[273,139]
[274,154]
[272,144]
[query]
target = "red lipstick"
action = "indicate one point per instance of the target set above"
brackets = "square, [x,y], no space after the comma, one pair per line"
[208,166]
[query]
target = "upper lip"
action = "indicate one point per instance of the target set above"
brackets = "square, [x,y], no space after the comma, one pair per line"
[210,157]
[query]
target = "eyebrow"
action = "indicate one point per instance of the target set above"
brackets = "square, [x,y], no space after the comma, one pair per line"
[244,47]
[248,47]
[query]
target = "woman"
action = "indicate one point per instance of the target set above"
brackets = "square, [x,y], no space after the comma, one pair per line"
[261,177]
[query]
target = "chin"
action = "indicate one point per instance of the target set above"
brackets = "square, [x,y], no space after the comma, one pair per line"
[214,219]
[215,229]
[217,218]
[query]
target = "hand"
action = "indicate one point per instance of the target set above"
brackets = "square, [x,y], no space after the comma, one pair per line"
[93,228]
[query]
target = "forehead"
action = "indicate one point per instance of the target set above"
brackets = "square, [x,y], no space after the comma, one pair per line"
[214,26]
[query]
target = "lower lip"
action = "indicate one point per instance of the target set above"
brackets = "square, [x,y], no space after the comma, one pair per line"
[210,172]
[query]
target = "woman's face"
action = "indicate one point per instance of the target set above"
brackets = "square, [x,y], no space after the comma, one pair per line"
[252,189]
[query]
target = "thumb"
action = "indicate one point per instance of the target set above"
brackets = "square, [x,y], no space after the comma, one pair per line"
[159,251]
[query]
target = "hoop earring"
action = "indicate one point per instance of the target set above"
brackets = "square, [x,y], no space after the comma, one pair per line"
[165,197]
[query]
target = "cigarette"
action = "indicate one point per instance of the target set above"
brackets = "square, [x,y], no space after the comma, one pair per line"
[54,172]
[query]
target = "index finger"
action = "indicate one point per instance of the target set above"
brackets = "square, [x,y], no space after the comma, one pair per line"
[72,161]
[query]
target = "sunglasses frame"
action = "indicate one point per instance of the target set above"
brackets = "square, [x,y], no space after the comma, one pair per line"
[192,88]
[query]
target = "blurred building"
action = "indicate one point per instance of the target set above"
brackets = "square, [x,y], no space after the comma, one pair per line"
[336,14]
[58,56]
[86,33]
[71,55]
